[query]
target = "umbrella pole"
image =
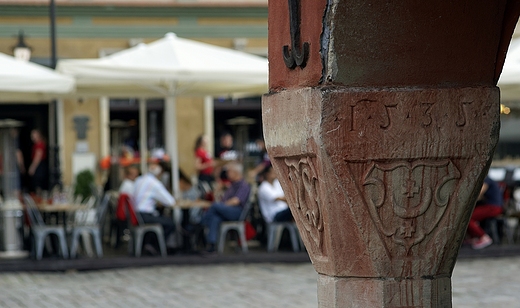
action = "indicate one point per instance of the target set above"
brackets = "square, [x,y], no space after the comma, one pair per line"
[143,135]
[170,119]
[208,123]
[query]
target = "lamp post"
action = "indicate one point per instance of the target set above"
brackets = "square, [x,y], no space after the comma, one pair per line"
[55,176]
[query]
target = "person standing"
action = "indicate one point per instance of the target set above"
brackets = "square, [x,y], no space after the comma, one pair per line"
[263,163]
[38,169]
[204,163]
[226,151]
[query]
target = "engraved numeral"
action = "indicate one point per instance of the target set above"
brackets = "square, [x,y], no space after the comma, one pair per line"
[462,114]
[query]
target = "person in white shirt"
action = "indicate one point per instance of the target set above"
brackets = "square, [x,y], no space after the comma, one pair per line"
[272,199]
[148,192]
[127,186]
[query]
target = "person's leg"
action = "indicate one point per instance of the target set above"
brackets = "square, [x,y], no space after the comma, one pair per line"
[213,229]
[479,214]
[480,238]
[212,219]
[227,213]
[283,216]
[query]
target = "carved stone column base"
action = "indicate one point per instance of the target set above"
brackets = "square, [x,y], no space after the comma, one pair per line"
[382,183]
[391,293]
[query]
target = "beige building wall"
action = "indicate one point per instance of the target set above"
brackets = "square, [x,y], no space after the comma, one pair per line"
[190,124]
[72,108]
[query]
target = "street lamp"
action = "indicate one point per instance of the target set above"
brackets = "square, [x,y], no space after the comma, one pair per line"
[55,172]
[21,51]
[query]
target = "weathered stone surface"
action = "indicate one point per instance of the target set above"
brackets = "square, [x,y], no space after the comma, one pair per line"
[379,182]
[396,44]
[312,14]
[388,293]
[381,122]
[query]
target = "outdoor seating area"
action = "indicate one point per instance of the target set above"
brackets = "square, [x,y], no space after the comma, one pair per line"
[71,228]
[505,228]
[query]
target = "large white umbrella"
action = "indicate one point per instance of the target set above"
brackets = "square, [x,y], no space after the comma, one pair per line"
[169,67]
[509,82]
[22,81]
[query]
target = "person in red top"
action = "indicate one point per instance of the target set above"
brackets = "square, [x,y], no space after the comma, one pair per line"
[38,168]
[204,163]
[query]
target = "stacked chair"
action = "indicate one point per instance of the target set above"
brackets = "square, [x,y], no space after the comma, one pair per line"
[40,230]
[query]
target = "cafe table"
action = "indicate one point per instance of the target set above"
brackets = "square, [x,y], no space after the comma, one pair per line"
[189,204]
[185,205]
[60,210]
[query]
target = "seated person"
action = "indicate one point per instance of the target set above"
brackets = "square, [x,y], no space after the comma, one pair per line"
[489,205]
[271,198]
[127,186]
[231,203]
[148,193]
[190,192]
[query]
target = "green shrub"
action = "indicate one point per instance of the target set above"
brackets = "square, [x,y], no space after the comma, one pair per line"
[84,183]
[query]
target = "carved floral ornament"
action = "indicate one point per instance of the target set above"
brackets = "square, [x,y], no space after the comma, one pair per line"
[303,176]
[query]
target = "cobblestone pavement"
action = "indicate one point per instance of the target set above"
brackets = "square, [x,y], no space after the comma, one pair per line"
[476,283]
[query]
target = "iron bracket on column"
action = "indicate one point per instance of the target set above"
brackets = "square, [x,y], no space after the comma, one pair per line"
[296,54]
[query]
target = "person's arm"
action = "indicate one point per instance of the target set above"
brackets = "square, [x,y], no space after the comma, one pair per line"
[254,172]
[199,165]
[282,198]
[233,201]
[36,161]
[240,197]
[270,194]
[162,195]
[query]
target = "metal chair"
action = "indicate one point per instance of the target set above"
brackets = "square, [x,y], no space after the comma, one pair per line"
[40,230]
[138,229]
[94,229]
[237,226]
[274,235]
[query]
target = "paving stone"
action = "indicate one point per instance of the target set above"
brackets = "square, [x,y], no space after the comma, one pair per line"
[476,283]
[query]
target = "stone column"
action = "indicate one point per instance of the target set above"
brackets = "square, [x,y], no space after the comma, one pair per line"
[381,122]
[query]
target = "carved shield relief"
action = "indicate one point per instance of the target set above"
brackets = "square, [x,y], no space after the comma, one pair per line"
[406,200]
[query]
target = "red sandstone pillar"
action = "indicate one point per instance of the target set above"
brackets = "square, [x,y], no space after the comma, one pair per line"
[381,121]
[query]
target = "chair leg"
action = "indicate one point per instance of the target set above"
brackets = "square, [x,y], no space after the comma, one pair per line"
[162,244]
[97,242]
[294,238]
[87,243]
[138,243]
[493,226]
[131,245]
[63,244]
[242,234]
[74,244]
[39,240]
[222,240]
[270,237]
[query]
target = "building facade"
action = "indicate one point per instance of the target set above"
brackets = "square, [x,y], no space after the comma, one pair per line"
[92,29]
